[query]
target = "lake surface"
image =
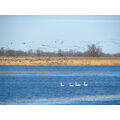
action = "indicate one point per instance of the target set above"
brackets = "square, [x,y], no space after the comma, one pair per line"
[99,85]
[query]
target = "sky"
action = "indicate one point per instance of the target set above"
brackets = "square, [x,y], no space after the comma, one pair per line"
[66,32]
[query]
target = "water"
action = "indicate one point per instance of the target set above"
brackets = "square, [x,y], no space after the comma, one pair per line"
[20,85]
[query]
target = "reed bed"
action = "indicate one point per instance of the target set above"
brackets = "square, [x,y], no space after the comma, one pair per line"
[59,61]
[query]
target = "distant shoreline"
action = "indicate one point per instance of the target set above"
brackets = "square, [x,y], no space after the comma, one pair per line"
[58,61]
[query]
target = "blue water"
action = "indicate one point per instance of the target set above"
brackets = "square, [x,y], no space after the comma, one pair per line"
[46,89]
[112,68]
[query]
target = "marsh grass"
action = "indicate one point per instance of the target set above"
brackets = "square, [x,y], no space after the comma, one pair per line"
[59,61]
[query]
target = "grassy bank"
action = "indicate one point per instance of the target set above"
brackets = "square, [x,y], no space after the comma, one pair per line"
[58,61]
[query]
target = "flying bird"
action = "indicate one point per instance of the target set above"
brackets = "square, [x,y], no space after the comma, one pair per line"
[24,43]
[62,42]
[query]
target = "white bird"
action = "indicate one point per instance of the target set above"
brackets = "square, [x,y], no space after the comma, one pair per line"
[61,84]
[76,84]
[85,84]
[70,85]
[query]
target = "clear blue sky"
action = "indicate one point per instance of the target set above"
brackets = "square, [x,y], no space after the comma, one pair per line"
[50,33]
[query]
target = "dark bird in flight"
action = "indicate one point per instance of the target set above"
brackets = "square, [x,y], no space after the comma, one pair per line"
[24,43]
[45,45]
[116,42]
[62,42]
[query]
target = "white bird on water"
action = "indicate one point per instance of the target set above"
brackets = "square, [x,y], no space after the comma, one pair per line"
[70,85]
[76,84]
[61,84]
[85,84]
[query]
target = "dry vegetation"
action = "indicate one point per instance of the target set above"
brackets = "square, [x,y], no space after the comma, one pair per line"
[59,61]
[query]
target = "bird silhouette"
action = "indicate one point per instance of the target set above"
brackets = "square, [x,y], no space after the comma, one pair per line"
[24,43]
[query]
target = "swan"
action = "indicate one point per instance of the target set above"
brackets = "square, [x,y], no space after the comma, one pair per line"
[76,84]
[85,84]
[61,84]
[70,85]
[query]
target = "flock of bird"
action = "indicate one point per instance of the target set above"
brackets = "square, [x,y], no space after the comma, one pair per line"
[74,85]
[60,43]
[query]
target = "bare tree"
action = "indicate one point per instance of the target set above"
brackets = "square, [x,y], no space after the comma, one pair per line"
[30,52]
[11,53]
[94,51]
[60,53]
[2,51]
[38,52]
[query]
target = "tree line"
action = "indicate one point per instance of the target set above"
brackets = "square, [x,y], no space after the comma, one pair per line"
[92,51]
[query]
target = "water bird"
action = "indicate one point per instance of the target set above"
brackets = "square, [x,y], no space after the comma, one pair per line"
[85,84]
[76,84]
[70,85]
[61,84]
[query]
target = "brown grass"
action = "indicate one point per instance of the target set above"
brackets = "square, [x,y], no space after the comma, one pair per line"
[58,61]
